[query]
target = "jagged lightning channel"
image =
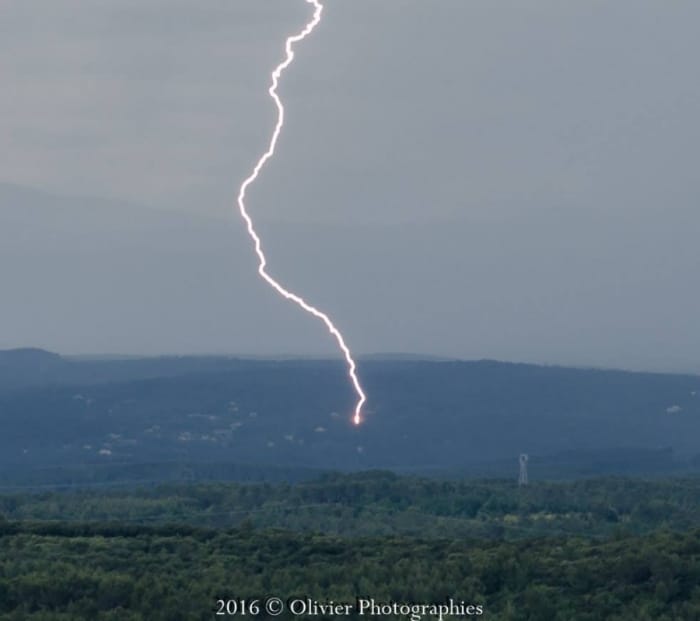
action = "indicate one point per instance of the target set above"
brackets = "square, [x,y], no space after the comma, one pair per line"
[262,261]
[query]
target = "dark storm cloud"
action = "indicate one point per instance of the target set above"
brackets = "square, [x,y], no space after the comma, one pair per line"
[509,179]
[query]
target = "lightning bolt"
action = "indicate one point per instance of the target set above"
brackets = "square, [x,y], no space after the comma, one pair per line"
[262,260]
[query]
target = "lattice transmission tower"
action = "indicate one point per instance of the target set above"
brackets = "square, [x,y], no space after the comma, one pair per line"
[522,478]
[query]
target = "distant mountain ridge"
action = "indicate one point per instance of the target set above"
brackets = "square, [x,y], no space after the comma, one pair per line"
[422,416]
[27,366]
[27,355]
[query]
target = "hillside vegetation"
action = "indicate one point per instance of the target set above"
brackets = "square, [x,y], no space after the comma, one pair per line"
[424,416]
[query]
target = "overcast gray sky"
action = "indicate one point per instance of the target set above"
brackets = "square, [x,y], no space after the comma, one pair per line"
[477,179]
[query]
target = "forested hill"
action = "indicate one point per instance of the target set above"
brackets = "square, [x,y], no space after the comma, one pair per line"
[63,571]
[380,503]
[439,416]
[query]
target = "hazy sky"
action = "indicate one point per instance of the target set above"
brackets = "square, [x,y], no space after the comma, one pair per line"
[478,179]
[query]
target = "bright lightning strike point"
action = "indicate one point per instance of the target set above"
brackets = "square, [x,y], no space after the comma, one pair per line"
[262,260]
